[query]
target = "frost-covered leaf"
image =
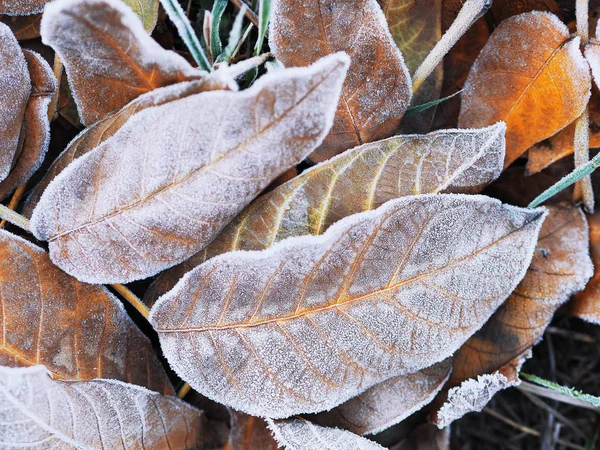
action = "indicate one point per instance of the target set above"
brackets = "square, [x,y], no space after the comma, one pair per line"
[173,176]
[146,10]
[39,412]
[300,434]
[315,320]
[250,433]
[360,179]
[472,395]
[22,7]
[15,88]
[377,90]
[108,56]
[389,402]
[425,437]
[100,131]
[78,331]
[35,130]
[560,267]
[23,27]
[532,76]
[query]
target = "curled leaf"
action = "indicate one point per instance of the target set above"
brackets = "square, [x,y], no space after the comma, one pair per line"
[389,402]
[360,179]
[315,320]
[108,56]
[377,90]
[300,434]
[78,331]
[37,410]
[208,154]
[532,76]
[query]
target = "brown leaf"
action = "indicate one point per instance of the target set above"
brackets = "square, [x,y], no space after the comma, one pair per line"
[39,412]
[425,437]
[100,131]
[250,433]
[389,402]
[35,130]
[377,90]
[361,179]
[530,75]
[23,27]
[15,88]
[504,9]
[22,7]
[108,56]
[78,331]
[209,155]
[315,320]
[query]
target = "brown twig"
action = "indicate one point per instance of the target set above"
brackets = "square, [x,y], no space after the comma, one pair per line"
[251,15]
[14,201]
[132,299]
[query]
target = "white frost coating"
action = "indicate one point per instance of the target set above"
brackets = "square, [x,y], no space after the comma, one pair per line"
[39,411]
[22,7]
[389,402]
[14,93]
[300,434]
[471,396]
[174,175]
[108,56]
[592,55]
[315,320]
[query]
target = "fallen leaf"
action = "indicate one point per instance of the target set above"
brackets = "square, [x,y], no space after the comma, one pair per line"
[300,434]
[78,331]
[22,7]
[15,88]
[532,76]
[108,56]
[39,411]
[209,154]
[378,88]
[387,403]
[100,131]
[23,27]
[250,433]
[35,130]
[146,10]
[425,437]
[376,294]
[360,179]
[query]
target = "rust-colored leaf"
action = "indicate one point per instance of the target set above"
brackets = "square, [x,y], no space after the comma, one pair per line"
[100,131]
[249,433]
[22,7]
[532,76]
[387,403]
[164,185]
[377,90]
[361,179]
[108,56]
[39,412]
[35,130]
[23,27]
[315,320]
[15,88]
[78,331]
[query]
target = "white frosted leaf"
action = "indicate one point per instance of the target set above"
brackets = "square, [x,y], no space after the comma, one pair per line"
[471,396]
[14,92]
[389,402]
[163,186]
[108,56]
[378,88]
[39,412]
[315,320]
[300,434]
[360,179]
[592,55]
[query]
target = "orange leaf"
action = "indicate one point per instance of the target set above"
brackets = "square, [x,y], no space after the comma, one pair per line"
[377,90]
[531,76]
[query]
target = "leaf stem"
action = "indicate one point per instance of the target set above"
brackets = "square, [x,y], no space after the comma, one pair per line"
[16,219]
[185,30]
[582,157]
[251,15]
[57,68]
[133,299]
[582,17]
[183,390]
[469,13]
[14,201]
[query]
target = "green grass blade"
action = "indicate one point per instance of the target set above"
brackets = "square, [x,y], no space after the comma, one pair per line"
[425,106]
[215,38]
[591,399]
[264,14]
[234,37]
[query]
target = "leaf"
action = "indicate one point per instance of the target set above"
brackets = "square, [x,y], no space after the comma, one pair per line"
[560,267]
[108,56]
[209,155]
[146,10]
[249,433]
[78,331]
[531,76]
[35,130]
[39,412]
[387,403]
[23,27]
[425,437]
[315,320]
[14,93]
[586,304]
[100,131]
[300,434]
[22,7]
[377,90]
[360,179]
